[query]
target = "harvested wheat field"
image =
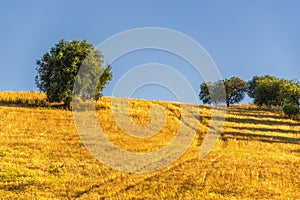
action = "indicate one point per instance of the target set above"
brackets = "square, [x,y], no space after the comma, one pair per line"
[42,156]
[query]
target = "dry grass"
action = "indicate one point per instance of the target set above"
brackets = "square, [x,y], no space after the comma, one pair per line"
[42,157]
[23,98]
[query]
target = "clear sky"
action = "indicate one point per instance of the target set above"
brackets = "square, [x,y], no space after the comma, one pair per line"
[244,38]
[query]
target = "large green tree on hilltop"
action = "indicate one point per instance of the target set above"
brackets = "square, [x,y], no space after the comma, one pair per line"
[57,70]
[271,91]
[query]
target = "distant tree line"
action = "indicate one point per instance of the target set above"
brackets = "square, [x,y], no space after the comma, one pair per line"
[264,90]
[58,69]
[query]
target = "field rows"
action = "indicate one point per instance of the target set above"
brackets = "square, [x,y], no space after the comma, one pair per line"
[42,157]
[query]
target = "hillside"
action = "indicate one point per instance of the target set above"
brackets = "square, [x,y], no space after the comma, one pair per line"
[42,156]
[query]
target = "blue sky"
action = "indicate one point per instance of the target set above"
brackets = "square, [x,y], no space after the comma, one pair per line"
[244,38]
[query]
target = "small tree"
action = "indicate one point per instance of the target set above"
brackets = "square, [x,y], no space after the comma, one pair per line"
[234,87]
[58,68]
[291,110]
[204,92]
[212,92]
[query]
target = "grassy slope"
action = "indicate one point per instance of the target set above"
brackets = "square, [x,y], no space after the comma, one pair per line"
[42,157]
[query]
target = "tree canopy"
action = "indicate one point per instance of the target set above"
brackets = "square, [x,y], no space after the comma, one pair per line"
[235,88]
[267,91]
[57,70]
[272,91]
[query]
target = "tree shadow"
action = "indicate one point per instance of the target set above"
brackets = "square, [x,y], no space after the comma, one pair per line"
[253,114]
[296,151]
[261,121]
[256,117]
[17,104]
[275,130]
[258,137]
[16,186]
[32,105]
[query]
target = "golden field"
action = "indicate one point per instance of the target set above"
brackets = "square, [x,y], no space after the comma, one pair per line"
[42,156]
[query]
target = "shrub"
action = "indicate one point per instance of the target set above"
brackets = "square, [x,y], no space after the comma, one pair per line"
[291,110]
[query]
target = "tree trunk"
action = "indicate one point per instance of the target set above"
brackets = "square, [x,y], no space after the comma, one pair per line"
[67,103]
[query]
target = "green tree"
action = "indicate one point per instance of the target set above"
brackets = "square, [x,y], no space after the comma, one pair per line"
[204,92]
[212,92]
[234,87]
[271,91]
[251,86]
[253,82]
[267,91]
[57,70]
[290,91]
[291,110]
